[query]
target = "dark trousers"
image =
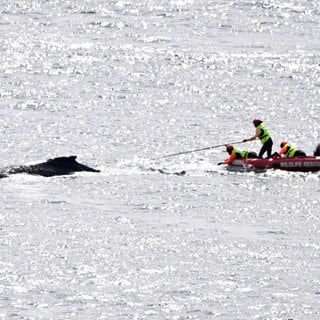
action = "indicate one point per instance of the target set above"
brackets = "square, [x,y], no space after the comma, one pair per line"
[266,147]
[252,155]
[299,153]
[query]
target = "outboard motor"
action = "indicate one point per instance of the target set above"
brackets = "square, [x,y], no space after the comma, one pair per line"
[317,151]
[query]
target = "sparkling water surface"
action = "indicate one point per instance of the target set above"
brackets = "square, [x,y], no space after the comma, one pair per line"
[119,83]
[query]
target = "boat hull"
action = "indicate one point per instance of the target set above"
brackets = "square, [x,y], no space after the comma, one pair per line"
[302,164]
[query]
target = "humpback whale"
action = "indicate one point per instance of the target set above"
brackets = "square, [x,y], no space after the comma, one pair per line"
[52,167]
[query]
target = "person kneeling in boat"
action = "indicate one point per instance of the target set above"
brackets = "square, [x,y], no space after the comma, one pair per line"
[237,154]
[288,151]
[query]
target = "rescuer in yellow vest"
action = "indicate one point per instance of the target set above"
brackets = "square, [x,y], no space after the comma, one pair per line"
[264,136]
[288,151]
[237,154]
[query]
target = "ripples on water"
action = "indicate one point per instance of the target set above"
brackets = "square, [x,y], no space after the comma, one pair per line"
[119,83]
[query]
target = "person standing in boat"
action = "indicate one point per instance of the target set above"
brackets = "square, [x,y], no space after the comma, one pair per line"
[265,137]
[288,151]
[236,153]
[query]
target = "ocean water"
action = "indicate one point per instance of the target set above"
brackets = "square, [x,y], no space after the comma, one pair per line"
[119,83]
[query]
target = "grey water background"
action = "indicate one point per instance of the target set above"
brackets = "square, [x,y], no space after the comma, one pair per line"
[118,83]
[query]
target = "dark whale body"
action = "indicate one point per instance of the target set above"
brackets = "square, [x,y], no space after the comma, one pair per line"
[52,167]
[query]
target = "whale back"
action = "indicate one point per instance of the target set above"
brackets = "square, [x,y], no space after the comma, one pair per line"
[52,167]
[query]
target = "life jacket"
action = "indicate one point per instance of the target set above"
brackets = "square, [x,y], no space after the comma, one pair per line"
[240,154]
[290,151]
[265,134]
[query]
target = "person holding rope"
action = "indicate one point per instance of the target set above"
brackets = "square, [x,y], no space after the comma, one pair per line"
[264,136]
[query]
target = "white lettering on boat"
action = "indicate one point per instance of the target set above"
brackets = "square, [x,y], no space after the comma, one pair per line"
[300,164]
[297,164]
[311,164]
[238,162]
